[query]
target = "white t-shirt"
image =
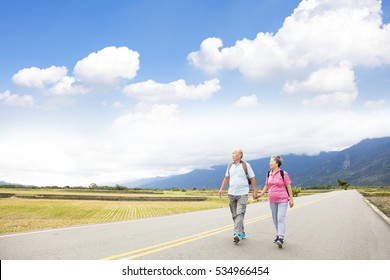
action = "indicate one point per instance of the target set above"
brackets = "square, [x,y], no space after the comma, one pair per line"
[238,183]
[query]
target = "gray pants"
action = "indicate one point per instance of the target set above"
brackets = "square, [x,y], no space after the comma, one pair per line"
[279,211]
[237,205]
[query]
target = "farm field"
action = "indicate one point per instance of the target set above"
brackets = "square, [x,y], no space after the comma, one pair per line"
[18,213]
[379,196]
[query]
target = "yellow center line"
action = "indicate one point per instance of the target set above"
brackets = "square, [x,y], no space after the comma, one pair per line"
[191,238]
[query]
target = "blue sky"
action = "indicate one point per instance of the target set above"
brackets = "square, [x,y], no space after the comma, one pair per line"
[109,91]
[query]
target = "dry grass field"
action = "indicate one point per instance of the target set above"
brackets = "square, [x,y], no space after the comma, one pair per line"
[379,196]
[21,214]
[26,214]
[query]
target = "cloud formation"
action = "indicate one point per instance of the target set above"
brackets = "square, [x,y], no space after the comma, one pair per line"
[148,114]
[16,100]
[246,102]
[326,86]
[152,91]
[108,66]
[68,86]
[317,33]
[375,104]
[315,40]
[34,77]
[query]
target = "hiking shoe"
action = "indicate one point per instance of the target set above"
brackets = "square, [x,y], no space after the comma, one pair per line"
[280,242]
[243,235]
[236,238]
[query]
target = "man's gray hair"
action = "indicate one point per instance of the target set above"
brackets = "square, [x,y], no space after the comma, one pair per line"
[238,150]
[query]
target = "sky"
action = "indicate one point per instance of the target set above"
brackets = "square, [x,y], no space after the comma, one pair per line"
[112,91]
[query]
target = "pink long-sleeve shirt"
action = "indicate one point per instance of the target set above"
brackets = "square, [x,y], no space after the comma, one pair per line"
[277,188]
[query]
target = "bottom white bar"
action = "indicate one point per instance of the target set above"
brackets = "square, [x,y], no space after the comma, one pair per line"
[220,269]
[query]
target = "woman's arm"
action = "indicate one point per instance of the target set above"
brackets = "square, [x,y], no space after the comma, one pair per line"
[291,200]
[265,189]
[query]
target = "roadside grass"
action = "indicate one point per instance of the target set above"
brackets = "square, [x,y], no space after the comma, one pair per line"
[379,196]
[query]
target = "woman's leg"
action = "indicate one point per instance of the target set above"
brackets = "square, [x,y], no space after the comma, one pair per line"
[282,211]
[274,210]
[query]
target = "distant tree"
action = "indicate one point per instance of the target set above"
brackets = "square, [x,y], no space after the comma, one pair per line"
[343,184]
[93,186]
[296,191]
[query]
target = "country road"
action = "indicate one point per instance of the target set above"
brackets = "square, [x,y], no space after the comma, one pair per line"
[330,226]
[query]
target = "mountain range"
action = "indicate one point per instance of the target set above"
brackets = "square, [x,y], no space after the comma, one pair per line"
[364,164]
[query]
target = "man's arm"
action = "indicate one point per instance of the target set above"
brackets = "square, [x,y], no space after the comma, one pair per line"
[253,180]
[224,183]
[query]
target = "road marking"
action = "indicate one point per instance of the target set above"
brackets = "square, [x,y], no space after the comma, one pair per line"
[191,238]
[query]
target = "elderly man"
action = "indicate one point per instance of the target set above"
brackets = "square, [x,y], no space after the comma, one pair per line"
[238,174]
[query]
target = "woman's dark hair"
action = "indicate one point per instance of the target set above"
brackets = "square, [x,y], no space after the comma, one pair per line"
[278,160]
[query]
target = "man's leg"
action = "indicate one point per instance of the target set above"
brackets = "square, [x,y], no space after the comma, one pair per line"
[233,209]
[240,214]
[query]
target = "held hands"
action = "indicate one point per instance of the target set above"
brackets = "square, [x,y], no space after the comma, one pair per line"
[257,196]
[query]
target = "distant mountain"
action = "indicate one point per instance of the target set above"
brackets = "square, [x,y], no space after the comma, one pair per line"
[366,163]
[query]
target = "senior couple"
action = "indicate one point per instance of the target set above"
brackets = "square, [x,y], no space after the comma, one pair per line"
[278,185]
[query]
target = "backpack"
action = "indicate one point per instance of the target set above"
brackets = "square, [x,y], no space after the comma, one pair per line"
[282,174]
[245,169]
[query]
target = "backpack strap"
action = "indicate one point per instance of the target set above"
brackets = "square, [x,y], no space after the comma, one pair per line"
[245,167]
[230,165]
[282,174]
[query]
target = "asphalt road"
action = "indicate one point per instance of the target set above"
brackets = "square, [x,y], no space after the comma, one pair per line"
[329,226]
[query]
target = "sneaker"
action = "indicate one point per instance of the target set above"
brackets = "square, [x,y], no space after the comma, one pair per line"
[236,238]
[243,235]
[276,239]
[280,242]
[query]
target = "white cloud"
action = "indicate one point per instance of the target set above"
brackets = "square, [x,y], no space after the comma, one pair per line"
[152,91]
[375,104]
[39,78]
[329,86]
[152,114]
[333,99]
[317,33]
[9,99]
[118,105]
[67,86]
[330,79]
[246,102]
[108,66]
[155,140]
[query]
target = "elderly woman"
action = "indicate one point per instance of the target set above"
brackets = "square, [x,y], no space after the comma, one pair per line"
[278,185]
